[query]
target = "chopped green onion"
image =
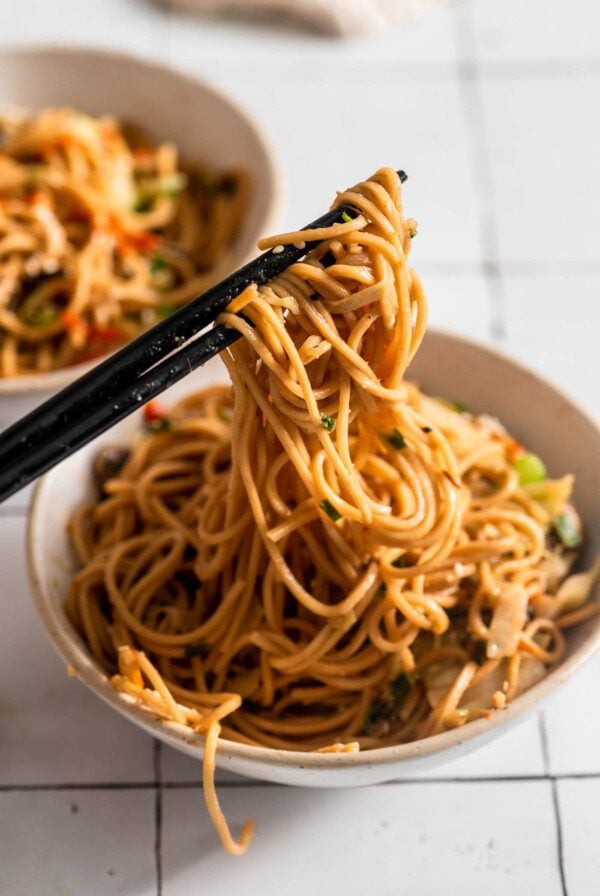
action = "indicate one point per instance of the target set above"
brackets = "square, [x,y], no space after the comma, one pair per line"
[157,263]
[399,562]
[41,315]
[530,468]
[143,204]
[166,310]
[567,530]
[401,687]
[346,217]
[226,185]
[461,711]
[396,439]
[453,405]
[159,425]
[413,232]
[200,648]
[172,186]
[34,174]
[328,423]
[374,715]
[330,510]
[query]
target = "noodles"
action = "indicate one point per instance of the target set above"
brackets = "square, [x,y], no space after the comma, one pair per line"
[321,557]
[101,235]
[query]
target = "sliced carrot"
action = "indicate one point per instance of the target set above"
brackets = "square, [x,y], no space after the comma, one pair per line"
[154,411]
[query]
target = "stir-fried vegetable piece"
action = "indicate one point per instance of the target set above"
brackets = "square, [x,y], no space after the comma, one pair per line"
[566,527]
[530,468]
[400,688]
[510,615]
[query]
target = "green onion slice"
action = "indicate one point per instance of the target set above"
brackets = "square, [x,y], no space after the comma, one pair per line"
[396,439]
[330,510]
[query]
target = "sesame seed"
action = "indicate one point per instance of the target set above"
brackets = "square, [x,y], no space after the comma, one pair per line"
[277,250]
[301,245]
[32,266]
[50,266]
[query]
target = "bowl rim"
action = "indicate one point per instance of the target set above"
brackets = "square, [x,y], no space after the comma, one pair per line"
[72,649]
[62,376]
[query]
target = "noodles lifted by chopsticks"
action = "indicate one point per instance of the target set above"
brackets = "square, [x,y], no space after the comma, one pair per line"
[321,557]
[101,235]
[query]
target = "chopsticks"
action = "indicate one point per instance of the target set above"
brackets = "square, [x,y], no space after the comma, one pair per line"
[137,372]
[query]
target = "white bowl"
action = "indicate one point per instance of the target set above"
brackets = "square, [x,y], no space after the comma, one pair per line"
[484,380]
[203,123]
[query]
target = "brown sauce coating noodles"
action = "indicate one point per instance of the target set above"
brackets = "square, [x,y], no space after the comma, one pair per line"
[321,557]
[101,235]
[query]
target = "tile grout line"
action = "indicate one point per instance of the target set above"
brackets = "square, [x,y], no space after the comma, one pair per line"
[469,81]
[158,813]
[559,838]
[17,513]
[543,731]
[418,70]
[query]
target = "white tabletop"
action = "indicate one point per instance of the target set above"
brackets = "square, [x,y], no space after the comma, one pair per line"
[492,108]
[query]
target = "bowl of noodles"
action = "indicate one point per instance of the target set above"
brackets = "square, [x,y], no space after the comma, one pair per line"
[126,189]
[376,548]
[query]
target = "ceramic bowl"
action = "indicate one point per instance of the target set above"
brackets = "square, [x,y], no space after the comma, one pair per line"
[534,411]
[204,124]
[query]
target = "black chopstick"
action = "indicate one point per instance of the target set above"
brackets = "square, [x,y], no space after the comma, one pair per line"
[24,469]
[137,372]
[124,366]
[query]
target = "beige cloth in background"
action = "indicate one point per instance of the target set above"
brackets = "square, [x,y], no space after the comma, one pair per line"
[336,17]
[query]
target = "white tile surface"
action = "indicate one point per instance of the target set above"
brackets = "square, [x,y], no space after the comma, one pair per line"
[136,25]
[77,843]
[552,322]
[52,729]
[440,191]
[180,768]
[573,724]
[543,147]
[539,139]
[208,44]
[548,30]
[458,303]
[421,839]
[579,802]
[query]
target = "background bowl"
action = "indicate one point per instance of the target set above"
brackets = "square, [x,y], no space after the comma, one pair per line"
[535,413]
[205,125]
